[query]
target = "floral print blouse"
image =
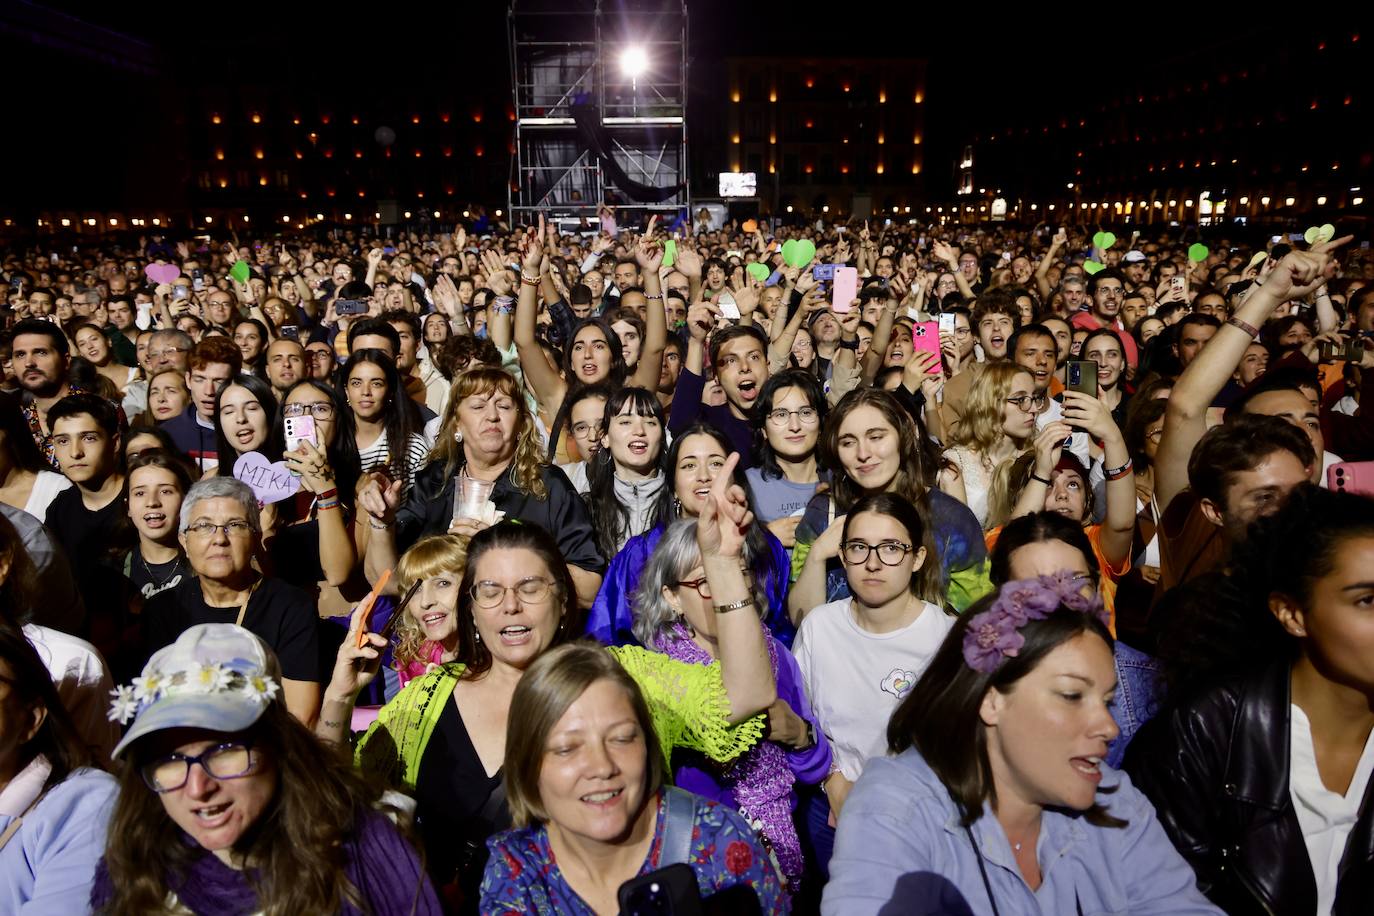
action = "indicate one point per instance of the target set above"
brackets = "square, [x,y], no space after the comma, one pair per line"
[522,876]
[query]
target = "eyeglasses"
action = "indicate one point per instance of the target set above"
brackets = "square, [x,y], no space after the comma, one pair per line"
[1029,402]
[808,416]
[488,594]
[165,351]
[700,586]
[320,410]
[223,761]
[234,529]
[890,553]
[318,355]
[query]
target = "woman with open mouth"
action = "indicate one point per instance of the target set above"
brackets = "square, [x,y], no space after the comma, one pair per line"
[695,460]
[246,421]
[168,395]
[92,344]
[624,473]
[997,793]
[444,736]
[154,486]
[593,351]
[227,803]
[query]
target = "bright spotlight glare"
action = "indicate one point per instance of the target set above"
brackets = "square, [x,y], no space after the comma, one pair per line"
[634,60]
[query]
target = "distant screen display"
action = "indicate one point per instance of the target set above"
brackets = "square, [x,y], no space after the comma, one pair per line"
[738,184]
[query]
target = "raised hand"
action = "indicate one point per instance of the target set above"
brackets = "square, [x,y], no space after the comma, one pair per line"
[648,253]
[446,295]
[1089,414]
[747,295]
[701,318]
[374,257]
[688,262]
[533,261]
[1061,238]
[498,280]
[380,498]
[1049,445]
[944,252]
[1301,272]
[725,517]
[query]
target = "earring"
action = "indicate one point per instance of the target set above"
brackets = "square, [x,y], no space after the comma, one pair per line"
[476,636]
[458,436]
[677,507]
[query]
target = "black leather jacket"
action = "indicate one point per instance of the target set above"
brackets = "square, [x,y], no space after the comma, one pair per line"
[1216,768]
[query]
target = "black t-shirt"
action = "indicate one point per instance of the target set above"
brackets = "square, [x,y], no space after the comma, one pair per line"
[282,615]
[150,579]
[89,540]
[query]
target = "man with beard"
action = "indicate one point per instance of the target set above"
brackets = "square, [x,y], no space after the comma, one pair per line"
[285,365]
[40,357]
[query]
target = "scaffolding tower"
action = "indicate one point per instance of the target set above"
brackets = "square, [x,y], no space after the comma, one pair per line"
[589,130]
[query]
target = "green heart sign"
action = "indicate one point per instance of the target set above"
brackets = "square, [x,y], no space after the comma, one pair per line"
[759,271]
[798,252]
[239,271]
[1317,235]
[1092,267]
[669,253]
[1197,252]
[1104,240]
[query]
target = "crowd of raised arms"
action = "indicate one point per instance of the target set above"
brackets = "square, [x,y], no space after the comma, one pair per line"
[559,569]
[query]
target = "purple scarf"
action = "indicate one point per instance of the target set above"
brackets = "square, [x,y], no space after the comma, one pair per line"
[760,779]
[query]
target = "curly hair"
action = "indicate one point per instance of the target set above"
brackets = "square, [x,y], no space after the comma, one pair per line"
[980,427]
[428,557]
[528,464]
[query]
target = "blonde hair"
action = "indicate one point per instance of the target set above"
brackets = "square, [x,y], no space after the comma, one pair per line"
[527,465]
[980,427]
[551,684]
[430,556]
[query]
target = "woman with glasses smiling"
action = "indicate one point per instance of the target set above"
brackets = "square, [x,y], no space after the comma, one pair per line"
[859,656]
[998,423]
[221,532]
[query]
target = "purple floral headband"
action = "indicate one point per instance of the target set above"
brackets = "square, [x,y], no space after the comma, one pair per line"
[992,636]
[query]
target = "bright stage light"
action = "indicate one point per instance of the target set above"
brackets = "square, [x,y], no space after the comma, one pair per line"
[634,60]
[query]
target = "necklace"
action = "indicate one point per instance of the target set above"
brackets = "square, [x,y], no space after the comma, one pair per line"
[176,568]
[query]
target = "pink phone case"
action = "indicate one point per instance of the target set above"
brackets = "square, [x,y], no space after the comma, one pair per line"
[925,335]
[298,430]
[1351,477]
[846,287]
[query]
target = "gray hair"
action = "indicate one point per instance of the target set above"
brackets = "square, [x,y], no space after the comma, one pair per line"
[173,336]
[220,488]
[675,556]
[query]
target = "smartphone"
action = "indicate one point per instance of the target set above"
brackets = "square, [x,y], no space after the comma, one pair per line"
[947,325]
[925,335]
[1350,350]
[291,332]
[846,287]
[198,283]
[728,307]
[822,272]
[179,293]
[670,891]
[1081,376]
[1351,477]
[1179,282]
[298,430]
[351,307]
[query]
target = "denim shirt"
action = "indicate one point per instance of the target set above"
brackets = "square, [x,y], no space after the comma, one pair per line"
[900,849]
[1137,697]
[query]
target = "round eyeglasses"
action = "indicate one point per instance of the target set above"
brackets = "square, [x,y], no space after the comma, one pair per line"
[890,553]
[320,410]
[488,594]
[1029,402]
[809,416]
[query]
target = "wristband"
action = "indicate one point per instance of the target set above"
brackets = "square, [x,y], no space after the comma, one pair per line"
[734,606]
[1118,473]
[1035,476]
[849,344]
[528,282]
[372,523]
[332,504]
[327,494]
[1248,328]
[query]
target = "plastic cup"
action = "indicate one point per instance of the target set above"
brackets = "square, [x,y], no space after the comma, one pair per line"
[470,496]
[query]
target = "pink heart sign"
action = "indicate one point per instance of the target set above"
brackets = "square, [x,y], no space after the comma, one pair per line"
[270,482]
[162,273]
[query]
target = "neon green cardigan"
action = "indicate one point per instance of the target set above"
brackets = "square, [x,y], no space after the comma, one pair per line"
[687,703]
